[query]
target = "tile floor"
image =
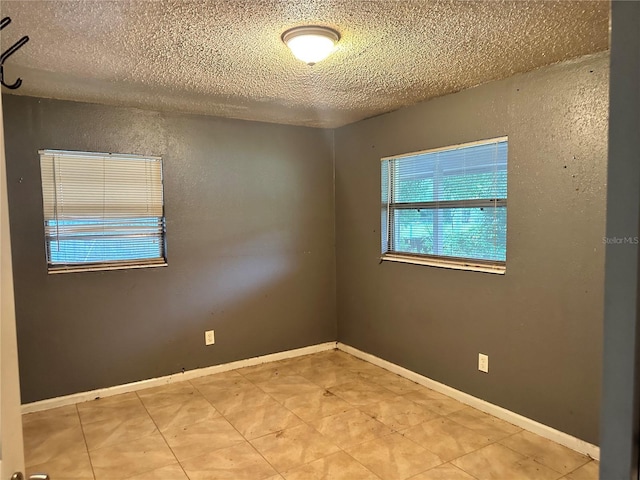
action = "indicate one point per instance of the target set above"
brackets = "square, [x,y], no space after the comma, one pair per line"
[323,416]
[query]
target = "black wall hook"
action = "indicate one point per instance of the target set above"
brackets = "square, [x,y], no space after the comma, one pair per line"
[13,49]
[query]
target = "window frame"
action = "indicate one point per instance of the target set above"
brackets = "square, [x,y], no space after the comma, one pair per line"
[105,265]
[442,261]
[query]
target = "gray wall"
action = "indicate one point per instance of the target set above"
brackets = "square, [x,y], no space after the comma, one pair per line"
[540,323]
[250,235]
[620,418]
[252,251]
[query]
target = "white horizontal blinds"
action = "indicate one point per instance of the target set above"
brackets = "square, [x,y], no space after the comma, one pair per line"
[102,208]
[450,202]
[109,185]
[464,173]
[385,193]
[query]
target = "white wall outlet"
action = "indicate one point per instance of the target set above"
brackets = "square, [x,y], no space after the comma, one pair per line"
[209,337]
[483,362]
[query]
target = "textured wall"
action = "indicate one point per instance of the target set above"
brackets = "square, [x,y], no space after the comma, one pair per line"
[250,238]
[620,419]
[540,323]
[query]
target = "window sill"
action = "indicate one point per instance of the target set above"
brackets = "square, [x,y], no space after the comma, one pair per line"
[442,263]
[56,271]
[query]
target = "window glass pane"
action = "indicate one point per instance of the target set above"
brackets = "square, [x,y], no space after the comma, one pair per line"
[79,251]
[472,225]
[487,185]
[413,189]
[413,180]
[474,233]
[96,240]
[413,231]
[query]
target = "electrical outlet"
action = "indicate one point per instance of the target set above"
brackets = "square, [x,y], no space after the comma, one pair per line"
[209,337]
[483,362]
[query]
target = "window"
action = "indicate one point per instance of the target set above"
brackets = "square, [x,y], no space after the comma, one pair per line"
[447,207]
[102,211]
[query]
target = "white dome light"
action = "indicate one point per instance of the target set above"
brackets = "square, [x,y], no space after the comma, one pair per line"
[311,44]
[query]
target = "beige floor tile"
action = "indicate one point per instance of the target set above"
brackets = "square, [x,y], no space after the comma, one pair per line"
[197,409]
[230,379]
[367,371]
[497,462]
[284,387]
[369,374]
[296,363]
[119,406]
[361,392]
[321,360]
[350,428]
[316,405]
[61,417]
[350,362]
[484,424]
[395,383]
[446,438]
[328,376]
[546,452]
[127,459]
[240,462]
[231,400]
[261,420]
[43,441]
[590,471]
[326,354]
[170,472]
[394,457]
[338,466]
[446,471]
[392,425]
[399,413]
[68,466]
[49,432]
[295,446]
[268,371]
[173,393]
[201,438]
[115,430]
[437,402]
[337,355]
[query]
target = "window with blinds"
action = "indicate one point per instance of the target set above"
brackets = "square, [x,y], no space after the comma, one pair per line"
[447,207]
[102,211]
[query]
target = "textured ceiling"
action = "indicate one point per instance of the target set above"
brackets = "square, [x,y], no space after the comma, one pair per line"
[226,58]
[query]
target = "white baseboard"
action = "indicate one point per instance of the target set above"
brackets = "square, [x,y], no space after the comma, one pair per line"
[177,377]
[538,428]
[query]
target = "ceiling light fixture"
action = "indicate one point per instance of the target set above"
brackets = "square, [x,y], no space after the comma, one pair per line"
[311,44]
